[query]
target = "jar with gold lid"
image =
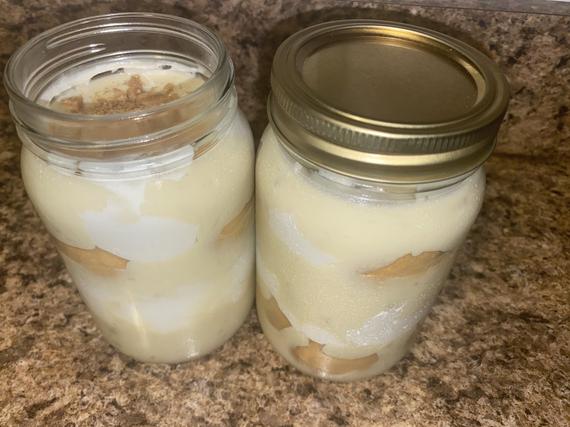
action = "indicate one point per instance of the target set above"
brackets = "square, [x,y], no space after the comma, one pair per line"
[140,165]
[369,178]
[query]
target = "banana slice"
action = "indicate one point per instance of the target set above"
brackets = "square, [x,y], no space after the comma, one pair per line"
[407,265]
[313,356]
[96,260]
[238,223]
[272,311]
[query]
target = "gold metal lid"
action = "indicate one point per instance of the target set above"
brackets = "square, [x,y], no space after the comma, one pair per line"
[385,101]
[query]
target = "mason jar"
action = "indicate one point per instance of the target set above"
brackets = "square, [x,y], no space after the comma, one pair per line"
[140,165]
[369,177]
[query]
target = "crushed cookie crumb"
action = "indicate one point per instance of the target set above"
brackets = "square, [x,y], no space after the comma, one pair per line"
[117,100]
[73,104]
[135,87]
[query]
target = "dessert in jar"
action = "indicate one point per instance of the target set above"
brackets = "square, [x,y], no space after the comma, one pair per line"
[369,177]
[140,165]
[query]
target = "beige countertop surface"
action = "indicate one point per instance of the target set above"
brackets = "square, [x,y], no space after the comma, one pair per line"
[495,351]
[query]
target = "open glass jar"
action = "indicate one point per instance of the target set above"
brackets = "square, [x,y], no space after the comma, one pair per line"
[368,179]
[140,165]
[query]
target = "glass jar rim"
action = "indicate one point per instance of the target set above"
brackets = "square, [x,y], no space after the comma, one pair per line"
[118,38]
[18,94]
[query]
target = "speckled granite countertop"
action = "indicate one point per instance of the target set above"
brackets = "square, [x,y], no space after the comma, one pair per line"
[495,350]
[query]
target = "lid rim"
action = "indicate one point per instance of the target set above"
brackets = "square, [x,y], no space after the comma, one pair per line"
[305,120]
[407,169]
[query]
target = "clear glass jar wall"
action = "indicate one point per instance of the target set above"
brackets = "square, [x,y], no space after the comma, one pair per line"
[140,165]
[346,271]
[368,180]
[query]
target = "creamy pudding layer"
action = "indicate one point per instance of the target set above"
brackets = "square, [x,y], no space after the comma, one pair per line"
[344,281]
[164,261]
